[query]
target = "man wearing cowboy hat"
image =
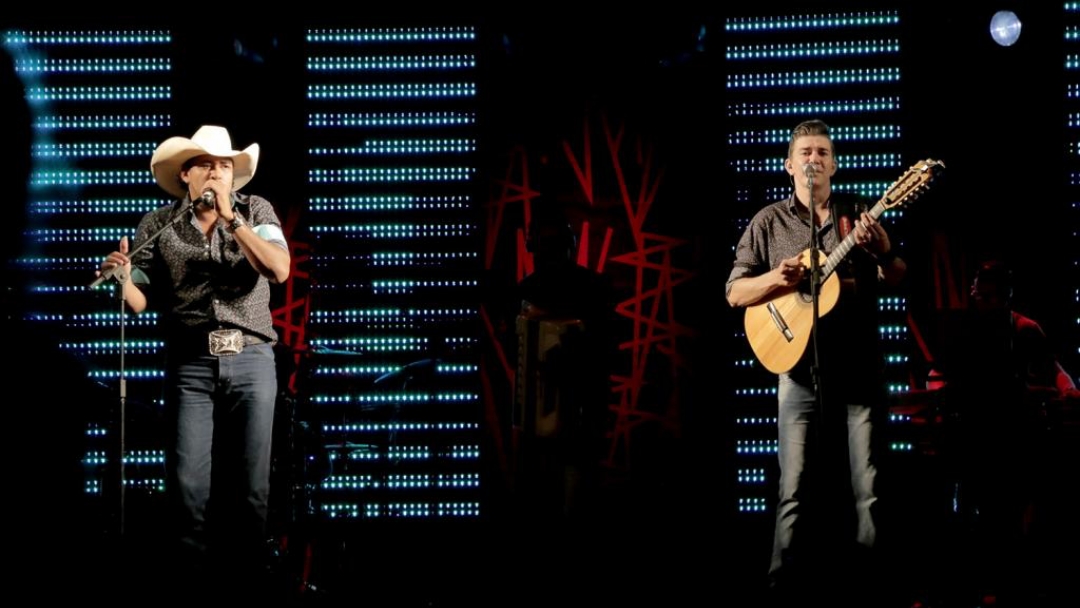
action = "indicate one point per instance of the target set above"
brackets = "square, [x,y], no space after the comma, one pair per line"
[205,262]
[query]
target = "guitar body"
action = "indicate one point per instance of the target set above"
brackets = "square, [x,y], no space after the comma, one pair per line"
[791,309]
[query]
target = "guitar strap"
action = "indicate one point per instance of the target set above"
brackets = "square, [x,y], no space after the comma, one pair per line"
[847,211]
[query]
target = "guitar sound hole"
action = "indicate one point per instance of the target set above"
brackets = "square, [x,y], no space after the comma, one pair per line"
[804,291]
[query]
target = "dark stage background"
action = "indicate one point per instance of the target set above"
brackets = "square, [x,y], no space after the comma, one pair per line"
[619,128]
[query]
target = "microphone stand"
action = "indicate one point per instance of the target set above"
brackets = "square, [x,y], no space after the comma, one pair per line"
[815,288]
[120,275]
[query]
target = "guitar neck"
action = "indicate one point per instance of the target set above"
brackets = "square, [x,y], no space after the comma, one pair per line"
[841,251]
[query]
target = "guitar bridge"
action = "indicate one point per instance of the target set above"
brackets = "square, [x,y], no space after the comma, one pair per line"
[779,320]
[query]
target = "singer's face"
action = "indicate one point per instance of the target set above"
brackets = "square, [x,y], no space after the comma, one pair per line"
[205,168]
[813,150]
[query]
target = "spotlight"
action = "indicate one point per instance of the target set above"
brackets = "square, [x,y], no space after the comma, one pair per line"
[1005,28]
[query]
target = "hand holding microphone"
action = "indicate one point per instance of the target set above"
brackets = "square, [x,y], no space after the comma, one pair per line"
[207,199]
[211,196]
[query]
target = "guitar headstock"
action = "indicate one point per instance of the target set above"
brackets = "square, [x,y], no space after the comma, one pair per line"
[912,183]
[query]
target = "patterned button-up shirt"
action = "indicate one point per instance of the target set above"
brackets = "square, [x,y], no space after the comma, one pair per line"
[199,283]
[782,230]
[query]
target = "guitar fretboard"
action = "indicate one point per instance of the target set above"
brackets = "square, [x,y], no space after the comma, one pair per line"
[845,246]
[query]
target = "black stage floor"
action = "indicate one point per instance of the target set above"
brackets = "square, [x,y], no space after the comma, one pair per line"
[661,547]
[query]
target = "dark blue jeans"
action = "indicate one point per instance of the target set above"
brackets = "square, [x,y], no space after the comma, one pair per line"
[222,410]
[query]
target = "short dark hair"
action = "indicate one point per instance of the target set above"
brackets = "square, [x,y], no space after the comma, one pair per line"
[809,127]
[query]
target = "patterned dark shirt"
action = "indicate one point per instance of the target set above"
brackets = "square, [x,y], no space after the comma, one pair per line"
[777,232]
[201,284]
[850,345]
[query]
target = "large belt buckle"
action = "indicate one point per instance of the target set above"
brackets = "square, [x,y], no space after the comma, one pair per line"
[226,342]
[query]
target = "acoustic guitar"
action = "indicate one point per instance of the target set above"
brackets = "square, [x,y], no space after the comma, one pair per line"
[779,327]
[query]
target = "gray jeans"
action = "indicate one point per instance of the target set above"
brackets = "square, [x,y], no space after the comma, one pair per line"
[796,416]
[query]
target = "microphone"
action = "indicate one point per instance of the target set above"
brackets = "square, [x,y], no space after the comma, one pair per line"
[809,169]
[206,199]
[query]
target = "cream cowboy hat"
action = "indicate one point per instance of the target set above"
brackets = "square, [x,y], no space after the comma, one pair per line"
[170,156]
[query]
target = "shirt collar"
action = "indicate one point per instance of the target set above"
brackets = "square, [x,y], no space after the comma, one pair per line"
[797,210]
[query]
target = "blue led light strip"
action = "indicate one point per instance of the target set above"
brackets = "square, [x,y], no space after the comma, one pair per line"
[392,34]
[56,122]
[398,231]
[89,178]
[872,190]
[400,510]
[389,202]
[756,446]
[392,119]
[353,315]
[411,320]
[112,347]
[391,90]
[390,174]
[391,398]
[813,78]
[92,150]
[53,235]
[751,475]
[854,161]
[840,133]
[812,22]
[378,370]
[429,258]
[815,108]
[99,93]
[400,147]
[89,37]
[400,286]
[813,50]
[136,374]
[381,342]
[391,62]
[135,205]
[96,318]
[46,261]
[382,427]
[85,66]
